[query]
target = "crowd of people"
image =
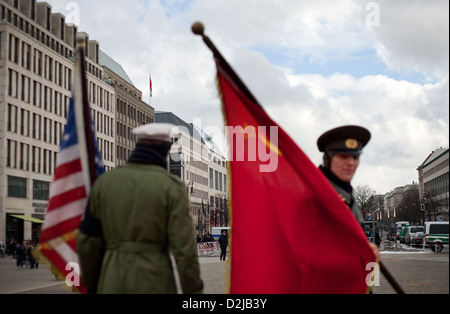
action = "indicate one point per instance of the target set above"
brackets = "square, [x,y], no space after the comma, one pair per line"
[22,253]
[207,237]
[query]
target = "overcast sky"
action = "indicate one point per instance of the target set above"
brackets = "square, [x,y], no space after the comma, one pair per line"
[312,65]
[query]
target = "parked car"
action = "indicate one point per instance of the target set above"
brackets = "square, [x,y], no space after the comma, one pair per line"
[410,233]
[417,240]
[398,227]
[403,233]
[397,236]
[436,234]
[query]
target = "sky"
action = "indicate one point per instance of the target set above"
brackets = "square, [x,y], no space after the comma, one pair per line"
[312,65]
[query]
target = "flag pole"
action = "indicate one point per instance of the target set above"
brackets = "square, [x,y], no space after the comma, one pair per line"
[391,279]
[150,87]
[86,118]
[198,29]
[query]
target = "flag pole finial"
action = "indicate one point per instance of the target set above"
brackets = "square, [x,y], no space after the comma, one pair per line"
[198,28]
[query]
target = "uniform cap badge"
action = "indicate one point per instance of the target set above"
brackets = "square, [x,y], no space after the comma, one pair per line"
[351,143]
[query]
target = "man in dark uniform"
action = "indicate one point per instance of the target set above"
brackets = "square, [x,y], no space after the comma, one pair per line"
[223,242]
[342,147]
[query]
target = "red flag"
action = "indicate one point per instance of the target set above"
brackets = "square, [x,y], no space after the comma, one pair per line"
[151,88]
[290,232]
[78,164]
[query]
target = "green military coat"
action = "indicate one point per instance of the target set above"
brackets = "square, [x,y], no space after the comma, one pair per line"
[143,212]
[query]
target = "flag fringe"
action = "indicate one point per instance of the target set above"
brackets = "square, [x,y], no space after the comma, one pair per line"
[38,255]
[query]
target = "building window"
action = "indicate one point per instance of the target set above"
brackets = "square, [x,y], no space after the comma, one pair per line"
[17,187]
[24,122]
[13,83]
[36,129]
[23,156]
[11,154]
[225,187]
[41,190]
[36,159]
[12,118]
[14,43]
[211,178]
[216,185]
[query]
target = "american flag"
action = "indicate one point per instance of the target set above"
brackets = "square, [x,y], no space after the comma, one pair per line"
[78,164]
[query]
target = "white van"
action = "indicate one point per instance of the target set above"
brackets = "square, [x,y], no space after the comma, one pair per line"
[216,232]
[398,228]
[411,233]
[436,234]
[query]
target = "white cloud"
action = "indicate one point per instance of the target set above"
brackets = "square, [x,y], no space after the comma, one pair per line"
[414,36]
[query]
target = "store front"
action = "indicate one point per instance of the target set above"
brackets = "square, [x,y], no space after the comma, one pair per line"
[22,227]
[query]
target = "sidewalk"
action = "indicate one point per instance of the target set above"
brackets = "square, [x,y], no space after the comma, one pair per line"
[212,272]
[15,280]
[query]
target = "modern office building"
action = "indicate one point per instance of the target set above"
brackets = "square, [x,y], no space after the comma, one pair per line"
[37,50]
[131,110]
[203,169]
[402,203]
[434,184]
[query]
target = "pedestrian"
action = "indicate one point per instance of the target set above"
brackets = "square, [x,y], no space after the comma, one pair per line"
[11,247]
[342,147]
[223,242]
[30,256]
[35,256]
[377,238]
[19,254]
[137,214]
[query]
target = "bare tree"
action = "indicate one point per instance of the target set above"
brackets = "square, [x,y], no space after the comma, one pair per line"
[364,198]
[410,208]
[434,206]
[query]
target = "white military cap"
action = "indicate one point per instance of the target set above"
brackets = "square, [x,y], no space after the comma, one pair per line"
[156,131]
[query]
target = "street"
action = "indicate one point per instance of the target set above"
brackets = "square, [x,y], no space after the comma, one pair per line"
[14,280]
[417,271]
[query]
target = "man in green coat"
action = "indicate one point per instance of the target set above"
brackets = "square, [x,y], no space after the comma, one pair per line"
[138,215]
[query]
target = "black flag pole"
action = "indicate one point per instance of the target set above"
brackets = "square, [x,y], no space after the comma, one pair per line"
[81,46]
[199,29]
